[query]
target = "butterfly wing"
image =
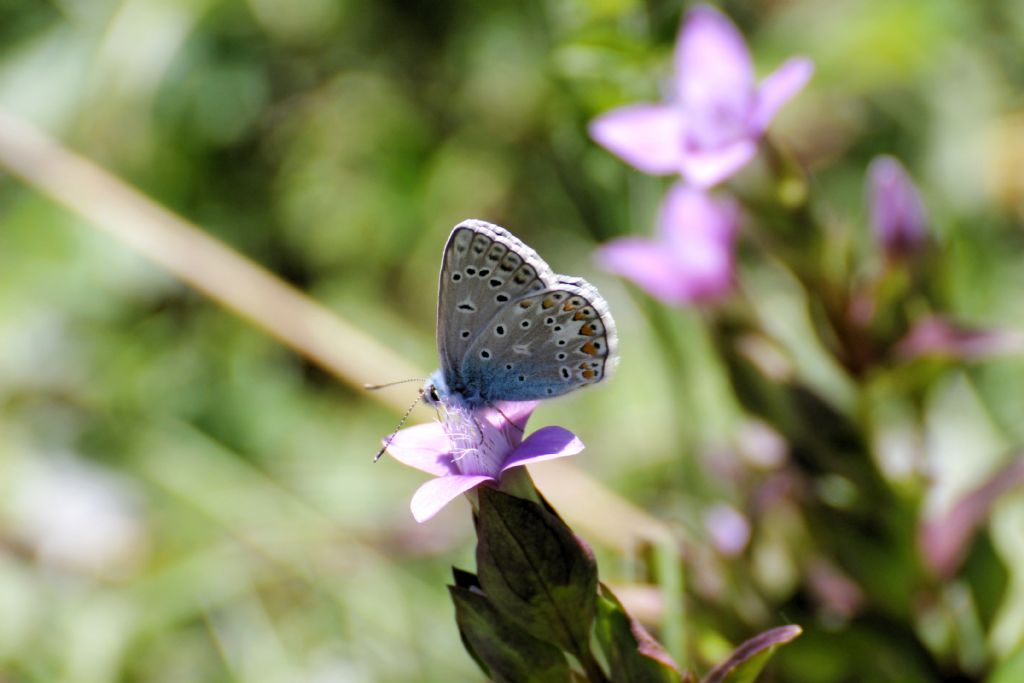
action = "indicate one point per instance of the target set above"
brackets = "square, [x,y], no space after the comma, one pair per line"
[484,268]
[544,344]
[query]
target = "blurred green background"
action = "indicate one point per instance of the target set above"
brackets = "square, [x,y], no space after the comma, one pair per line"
[183,499]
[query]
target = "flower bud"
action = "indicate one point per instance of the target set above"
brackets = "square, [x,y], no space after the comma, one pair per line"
[897,214]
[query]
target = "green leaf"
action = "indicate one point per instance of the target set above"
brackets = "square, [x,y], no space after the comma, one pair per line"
[535,571]
[1011,670]
[747,661]
[468,581]
[506,653]
[633,655]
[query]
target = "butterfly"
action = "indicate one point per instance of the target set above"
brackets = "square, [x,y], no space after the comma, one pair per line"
[509,328]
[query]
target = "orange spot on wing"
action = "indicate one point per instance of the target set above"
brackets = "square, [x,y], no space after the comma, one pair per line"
[568,306]
[525,304]
[579,316]
[548,303]
[587,330]
[589,349]
[588,374]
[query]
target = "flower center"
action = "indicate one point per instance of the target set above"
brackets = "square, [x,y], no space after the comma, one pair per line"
[716,119]
[477,446]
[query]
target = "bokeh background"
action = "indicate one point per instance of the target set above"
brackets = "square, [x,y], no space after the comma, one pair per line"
[183,498]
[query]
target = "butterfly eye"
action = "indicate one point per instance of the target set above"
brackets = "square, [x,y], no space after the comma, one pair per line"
[434,398]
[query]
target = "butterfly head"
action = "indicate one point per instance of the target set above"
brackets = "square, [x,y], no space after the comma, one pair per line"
[435,389]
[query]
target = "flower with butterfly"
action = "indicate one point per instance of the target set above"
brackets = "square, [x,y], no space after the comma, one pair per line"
[510,332]
[473,447]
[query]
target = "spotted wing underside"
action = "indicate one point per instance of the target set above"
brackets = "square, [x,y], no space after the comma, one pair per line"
[551,342]
[484,269]
[509,328]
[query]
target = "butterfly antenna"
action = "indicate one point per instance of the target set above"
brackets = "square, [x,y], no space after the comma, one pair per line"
[401,422]
[374,387]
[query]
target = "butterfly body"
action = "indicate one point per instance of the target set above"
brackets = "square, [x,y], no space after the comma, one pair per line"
[509,328]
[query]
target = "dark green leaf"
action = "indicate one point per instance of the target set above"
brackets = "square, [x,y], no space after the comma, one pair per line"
[468,581]
[506,653]
[633,655]
[535,571]
[464,579]
[747,661]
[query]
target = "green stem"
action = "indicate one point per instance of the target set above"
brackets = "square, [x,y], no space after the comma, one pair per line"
[595,674]
[517,482]
[672,579]
[671,347]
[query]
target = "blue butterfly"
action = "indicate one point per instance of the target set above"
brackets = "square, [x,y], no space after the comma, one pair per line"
[509,328]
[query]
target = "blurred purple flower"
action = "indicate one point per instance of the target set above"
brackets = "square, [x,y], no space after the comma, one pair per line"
[470,448]
[936,336]
[710,127]
[897,213]
[944,541]
[690,260]
[835,592]
[728,529]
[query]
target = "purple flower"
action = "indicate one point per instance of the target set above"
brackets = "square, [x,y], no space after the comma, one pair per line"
[728,529]
[709,128]
[690,260]
[470,448]
[897,213]
[945,540]
[937,336]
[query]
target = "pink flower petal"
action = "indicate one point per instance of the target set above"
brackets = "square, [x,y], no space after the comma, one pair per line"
[706,168]
[547,443]
[937,336]
[778,88]
[711,50]
[648,264]
[512,413]
[692,259]
[714,78]
[699,231]
[436,493]
[425,447]
[648,136]
[688,214]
